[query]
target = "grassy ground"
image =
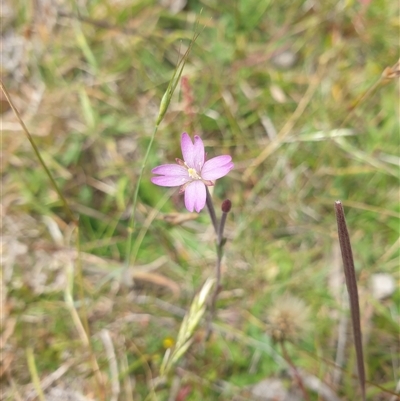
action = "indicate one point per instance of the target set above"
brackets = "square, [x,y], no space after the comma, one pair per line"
[294,92]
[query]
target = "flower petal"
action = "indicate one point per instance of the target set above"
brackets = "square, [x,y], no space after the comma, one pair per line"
[195,196]
[170,181]
[217,167]
[187,149]
[199,154]
[170,170]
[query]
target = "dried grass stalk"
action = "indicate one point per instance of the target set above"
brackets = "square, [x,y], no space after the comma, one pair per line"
[351,283]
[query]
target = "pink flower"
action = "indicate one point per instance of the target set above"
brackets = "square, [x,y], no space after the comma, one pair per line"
[192,173]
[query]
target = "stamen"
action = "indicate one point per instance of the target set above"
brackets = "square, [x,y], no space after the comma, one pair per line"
[193,174]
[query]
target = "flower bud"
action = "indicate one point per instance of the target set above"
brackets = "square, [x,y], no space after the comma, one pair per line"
[226,206]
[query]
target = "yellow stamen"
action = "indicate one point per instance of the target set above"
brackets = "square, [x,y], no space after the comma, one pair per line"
[193,174]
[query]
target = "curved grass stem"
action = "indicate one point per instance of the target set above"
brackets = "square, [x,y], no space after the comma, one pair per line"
[165,101]
[38,155]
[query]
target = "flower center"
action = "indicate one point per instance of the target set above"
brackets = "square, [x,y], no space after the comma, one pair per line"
[193,174]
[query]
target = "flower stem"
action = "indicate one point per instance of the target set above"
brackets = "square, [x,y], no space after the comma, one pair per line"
[295,372]
[215,294]
[219,230]
[211,210]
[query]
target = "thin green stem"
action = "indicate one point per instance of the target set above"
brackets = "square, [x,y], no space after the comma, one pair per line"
[80,319]
[149,219]
[81,290]
[131,228]
[38,155]
[34,373]
[163,109]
